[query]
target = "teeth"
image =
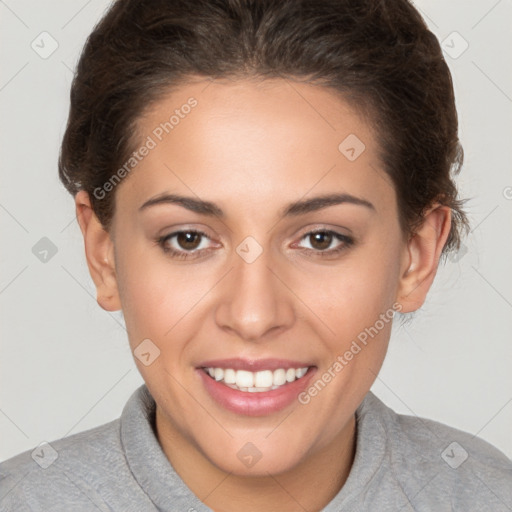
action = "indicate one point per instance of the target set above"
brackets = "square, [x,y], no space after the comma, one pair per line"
[290,375]
[300,372]
[263,379]
[244,379]
[229,376]
[279,377]
[256,382]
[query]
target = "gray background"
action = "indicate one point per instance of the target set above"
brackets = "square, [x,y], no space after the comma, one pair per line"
[66,364]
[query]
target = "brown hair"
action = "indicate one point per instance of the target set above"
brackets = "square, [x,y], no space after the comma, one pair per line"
[377,53]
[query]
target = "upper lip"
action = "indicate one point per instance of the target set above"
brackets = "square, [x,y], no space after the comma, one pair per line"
[253,365]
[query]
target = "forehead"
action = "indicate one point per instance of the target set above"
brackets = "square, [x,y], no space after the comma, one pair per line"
[257,142]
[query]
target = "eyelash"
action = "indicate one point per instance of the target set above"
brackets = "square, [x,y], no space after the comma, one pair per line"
[184,255]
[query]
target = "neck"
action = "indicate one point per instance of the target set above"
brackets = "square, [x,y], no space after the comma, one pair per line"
[310,485]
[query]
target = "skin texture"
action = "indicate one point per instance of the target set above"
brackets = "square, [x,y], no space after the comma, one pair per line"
[252,148]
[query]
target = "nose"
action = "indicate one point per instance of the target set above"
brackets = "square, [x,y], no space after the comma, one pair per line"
[254,303]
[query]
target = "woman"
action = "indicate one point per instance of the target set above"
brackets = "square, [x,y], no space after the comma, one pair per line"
[261,187]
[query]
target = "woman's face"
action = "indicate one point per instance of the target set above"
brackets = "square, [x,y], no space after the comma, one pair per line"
[217,263]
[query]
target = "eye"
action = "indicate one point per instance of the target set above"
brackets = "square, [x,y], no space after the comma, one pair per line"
[187,244]
[325,242]
[184,244]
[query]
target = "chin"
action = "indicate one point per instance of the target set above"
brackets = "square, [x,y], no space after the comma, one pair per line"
[269,463]
[258,458]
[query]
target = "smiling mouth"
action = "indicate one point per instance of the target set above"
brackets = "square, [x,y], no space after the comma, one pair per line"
[256,382]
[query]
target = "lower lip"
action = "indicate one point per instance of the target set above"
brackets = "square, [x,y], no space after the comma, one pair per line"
[255,404]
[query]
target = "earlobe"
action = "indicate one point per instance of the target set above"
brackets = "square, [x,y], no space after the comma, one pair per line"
[422,256]
[99,252]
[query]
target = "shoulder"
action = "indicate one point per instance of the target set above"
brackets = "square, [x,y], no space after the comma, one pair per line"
[65,470]
[443,466]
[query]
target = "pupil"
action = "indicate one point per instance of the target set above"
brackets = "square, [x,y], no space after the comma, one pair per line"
[324,240]
[188,240]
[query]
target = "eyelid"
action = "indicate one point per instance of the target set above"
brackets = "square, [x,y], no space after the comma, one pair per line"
[313,228]
[173,229]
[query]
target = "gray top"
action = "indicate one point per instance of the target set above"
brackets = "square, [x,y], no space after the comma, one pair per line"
[401,463]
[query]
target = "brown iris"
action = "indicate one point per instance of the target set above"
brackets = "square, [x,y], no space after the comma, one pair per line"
[188,240]
[320,241]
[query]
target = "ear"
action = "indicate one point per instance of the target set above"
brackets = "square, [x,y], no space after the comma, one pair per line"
[422,257]
[99,251]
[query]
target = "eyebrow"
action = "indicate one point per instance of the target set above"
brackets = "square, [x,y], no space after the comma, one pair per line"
[296,208]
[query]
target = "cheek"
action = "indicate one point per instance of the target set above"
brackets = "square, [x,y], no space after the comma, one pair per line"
[353,295]
[357,305]
[154,295]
